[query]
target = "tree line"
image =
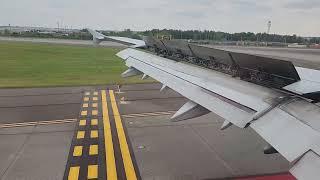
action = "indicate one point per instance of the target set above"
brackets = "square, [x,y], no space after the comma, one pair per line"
[224,36]
[177,34]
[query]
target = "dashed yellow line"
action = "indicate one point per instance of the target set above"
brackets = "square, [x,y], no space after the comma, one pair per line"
[33,123]
[56,122]
[127,161]
[94,122]
[147,114]
[110,159]
[84,113]
[80,134]
[94,134]
[92,171]
[77,151]
[94,112]
[74,173]
[82,122]
[93,150]
[94,105]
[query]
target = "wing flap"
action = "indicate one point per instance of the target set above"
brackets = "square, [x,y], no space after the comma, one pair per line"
[291,137]
[307,167]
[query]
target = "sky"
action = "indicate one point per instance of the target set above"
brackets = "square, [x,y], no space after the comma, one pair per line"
[299,17]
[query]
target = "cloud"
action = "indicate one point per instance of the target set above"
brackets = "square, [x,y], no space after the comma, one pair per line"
[190,14]
[303,5]
[223,15]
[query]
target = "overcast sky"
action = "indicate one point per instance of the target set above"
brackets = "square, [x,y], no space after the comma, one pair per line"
[288,16]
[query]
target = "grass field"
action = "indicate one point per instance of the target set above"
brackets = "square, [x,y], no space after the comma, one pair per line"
[41,65]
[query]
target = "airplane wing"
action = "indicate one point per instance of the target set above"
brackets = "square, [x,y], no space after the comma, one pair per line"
[98,37]
[288,121]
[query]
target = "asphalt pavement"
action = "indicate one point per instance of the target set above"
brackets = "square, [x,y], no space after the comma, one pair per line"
[39,140]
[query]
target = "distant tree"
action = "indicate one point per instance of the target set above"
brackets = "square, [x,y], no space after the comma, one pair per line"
[6,32]
[83,30]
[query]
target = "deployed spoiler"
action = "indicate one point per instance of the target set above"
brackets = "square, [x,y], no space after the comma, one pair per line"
[98,38]
[265,71]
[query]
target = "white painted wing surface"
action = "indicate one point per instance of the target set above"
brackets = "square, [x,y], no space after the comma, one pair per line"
[291,126]
[309,83]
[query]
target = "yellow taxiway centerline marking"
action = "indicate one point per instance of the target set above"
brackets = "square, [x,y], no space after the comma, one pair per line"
[74,173]
[127,161]
[108,143]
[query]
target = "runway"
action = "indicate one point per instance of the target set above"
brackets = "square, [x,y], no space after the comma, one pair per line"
[61,41]
[62,133]
[301,57]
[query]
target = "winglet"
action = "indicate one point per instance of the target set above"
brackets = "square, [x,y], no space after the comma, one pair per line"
[96,36]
